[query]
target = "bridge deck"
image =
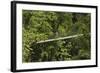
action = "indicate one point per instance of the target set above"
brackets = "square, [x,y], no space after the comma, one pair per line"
[61,38]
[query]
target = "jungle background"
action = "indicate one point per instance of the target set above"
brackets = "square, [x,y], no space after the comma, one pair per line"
[46,25]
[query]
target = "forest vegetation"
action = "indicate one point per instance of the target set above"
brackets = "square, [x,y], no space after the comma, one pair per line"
[46,25]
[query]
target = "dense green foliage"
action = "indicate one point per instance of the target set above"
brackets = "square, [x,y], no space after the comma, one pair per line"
[44,25]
